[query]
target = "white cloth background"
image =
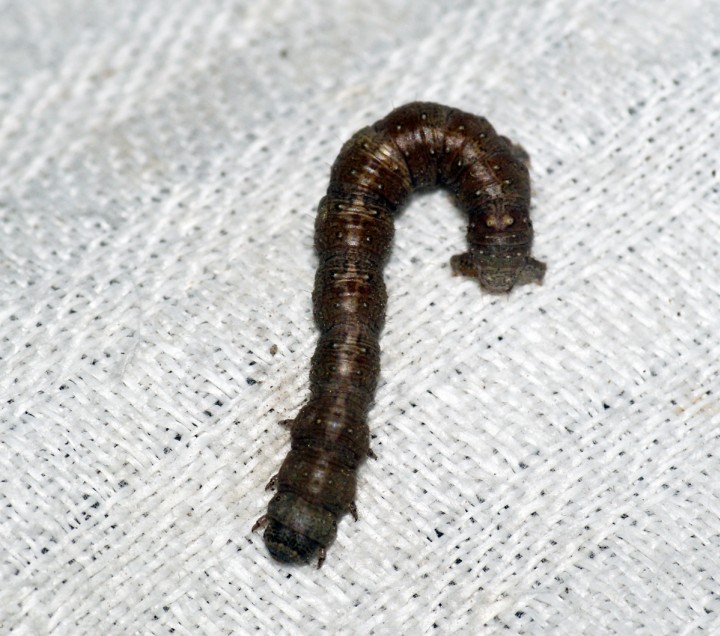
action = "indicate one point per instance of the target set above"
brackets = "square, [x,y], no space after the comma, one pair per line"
[547,462]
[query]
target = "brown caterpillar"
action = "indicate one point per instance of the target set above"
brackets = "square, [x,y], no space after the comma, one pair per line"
[419,145]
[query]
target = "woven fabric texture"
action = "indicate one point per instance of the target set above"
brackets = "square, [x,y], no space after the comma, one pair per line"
[547,462]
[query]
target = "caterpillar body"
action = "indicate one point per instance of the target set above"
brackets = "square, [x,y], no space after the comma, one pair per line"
[417,146]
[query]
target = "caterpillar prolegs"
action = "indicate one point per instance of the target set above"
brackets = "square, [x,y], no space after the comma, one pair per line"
[419,145]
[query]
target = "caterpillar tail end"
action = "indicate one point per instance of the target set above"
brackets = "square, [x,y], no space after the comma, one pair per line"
[498,277]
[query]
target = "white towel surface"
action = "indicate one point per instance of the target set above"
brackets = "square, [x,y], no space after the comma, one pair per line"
[547,462]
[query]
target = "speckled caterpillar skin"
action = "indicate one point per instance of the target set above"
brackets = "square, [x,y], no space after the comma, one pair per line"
[419,145]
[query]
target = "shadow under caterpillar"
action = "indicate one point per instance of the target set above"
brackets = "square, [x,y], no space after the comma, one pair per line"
[417,146]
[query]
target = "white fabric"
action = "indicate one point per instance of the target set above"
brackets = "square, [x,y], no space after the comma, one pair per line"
[547,462]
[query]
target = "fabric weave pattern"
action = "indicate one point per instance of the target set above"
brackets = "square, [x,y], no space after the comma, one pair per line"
[547,462]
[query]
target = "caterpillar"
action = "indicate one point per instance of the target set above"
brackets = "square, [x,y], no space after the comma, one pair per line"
[416,146]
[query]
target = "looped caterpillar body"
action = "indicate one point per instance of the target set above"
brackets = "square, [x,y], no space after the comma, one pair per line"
[417,146]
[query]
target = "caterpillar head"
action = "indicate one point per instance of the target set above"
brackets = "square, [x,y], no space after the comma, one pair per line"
[297,530]
[288,546]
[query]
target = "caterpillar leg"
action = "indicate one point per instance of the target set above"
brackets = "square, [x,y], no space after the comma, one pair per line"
[463,265]
[352,509]
[260,523]
[532,272]
[272,483]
